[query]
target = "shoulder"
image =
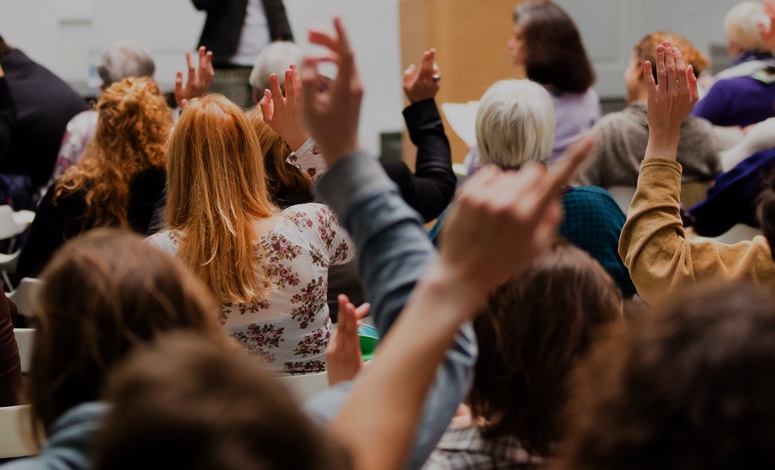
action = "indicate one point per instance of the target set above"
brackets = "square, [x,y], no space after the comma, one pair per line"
[591,199]
[166,240]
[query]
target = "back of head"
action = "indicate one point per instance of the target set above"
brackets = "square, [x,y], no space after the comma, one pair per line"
[741,26]
[133,125]
[216,191]
[515,124]
[530,334]
[274,58]
[555,54]
[686,386]
[646,49]
[282,178]
[125,59]
[103,294]
[186,403]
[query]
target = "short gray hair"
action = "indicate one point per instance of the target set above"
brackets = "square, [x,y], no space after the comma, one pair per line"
[515,124]
[741,25]
[125,59]
[275,58]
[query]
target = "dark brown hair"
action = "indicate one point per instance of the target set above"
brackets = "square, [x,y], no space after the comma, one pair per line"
[283,179]
[530,334]
[4,48]
[765,213]
[689,386]
[555,55]
[186,403]
[646,49]
[103,294]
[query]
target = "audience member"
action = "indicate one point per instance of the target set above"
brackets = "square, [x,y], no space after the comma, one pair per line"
[759,137]
[622,136]
[120,180]
[127,59]
[275,58]
[685,386]
[744,93]
[386,402]
[39,104]
[532,331]
[10,367]
[515,125]
[653,244]
[268,268]
[733,197]
[237,31]
[103,295]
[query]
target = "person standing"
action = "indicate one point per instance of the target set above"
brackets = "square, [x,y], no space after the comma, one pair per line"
[236,31]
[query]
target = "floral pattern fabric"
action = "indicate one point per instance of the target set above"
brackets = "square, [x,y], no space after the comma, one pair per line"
[290,328]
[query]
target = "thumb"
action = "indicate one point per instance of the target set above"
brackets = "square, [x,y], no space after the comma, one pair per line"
[408,75]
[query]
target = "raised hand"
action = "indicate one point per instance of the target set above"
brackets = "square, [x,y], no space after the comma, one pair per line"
[331,115]
[671,97]
[425,84]
[343,354]
[199,78]
[503,220]
[283,113]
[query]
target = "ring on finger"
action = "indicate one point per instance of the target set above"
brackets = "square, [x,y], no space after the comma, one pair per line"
[436,77]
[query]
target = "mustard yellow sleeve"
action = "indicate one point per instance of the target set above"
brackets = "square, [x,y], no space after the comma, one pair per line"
[654,247]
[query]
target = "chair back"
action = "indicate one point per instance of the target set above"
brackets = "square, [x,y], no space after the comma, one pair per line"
[24,294]
[15,432]
[25,339]
[306,386]
[13,223]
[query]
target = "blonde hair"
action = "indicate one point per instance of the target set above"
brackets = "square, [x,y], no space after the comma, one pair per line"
[281,177]
[741,25]
[515,124]
[133,125]
[216,191]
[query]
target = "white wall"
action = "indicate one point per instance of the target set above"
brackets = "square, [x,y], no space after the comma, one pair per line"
[62,34]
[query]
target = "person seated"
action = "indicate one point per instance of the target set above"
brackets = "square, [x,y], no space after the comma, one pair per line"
[102,295]
[733,197]
[37,104]
[428,189]
[653,243]
[758,137]
[126,59]
[10,365]
[744,93]
[119,182]
[268,268]
[515,125]
[388,402]
[532,331]
[622,136]
[684,386]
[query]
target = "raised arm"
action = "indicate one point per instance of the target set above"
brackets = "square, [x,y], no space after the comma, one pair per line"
[388,398]
[653,244]
[432,185]
[199,77]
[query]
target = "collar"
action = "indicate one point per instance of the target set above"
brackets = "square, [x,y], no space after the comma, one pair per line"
[751,55]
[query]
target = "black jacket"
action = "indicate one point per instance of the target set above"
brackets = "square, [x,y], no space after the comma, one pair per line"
[221,33]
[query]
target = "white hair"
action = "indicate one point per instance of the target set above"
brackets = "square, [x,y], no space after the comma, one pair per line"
[741,25]
[275,58]
[125,59]
[515,124]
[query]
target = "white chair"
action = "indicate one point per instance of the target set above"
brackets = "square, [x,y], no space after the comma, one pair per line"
[25,339]
[305,386]
[15,432]
[24,295]
[13,223]
[738,233]
[623,196]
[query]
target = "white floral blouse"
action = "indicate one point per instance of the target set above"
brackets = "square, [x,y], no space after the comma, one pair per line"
[291,327]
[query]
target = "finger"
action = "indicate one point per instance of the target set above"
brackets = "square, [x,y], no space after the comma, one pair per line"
[362,311]
[426,68]
[267,106]
[672,75]
[297,82]
[183,103]
[347,70]
[323,38]
[191,69]
[201,61]
[691,79]
[661,70]
[409,76]
[680,67]
[178,83]
[274,87]
[290,86]
[209,62]
[648,75]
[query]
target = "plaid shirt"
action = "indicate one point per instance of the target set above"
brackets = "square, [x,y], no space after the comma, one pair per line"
[464,448]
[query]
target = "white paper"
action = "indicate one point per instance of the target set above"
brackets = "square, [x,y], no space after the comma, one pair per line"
[462,118]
